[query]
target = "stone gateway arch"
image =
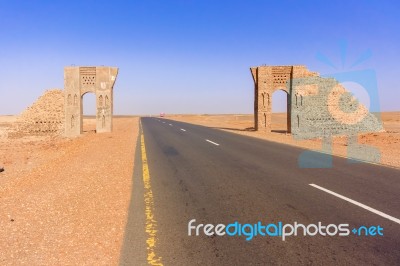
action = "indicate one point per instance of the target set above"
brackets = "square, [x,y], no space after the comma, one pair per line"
[267,80]
[316,106]
[81,80]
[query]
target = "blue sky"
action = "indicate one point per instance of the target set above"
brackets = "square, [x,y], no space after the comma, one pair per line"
[190,56]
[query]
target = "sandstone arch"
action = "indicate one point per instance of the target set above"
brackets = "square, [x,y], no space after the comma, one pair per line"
[267,80]
[81,80]
[316,106]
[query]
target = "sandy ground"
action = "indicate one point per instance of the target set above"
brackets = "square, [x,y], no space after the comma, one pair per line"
[387,142]
[62,201]
[65,201]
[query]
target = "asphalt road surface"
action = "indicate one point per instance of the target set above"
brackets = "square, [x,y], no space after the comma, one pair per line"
[218,177]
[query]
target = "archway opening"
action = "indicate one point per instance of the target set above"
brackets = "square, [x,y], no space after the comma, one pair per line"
[279,119]
[89,112]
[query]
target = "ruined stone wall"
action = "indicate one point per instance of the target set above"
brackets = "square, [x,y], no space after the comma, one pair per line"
[43,117]
[322,107]
[316,106]
[59,112]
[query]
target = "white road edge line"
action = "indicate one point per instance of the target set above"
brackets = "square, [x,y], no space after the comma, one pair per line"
[212,142]
[384,215]
[183,129]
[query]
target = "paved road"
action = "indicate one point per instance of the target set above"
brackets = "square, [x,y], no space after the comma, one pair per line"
[220,177]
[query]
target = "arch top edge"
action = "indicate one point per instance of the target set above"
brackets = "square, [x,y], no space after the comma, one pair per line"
[280,89]
[85,91]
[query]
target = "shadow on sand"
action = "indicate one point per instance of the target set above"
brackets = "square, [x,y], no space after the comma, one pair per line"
[236,129]
[86,130]
[251,129]
[280,131]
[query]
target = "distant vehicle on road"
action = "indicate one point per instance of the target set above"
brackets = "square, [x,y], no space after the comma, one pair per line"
[162,114]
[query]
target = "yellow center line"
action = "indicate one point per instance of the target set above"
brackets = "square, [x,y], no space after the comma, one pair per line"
[151,223]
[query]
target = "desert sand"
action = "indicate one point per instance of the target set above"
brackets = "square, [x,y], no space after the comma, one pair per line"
[387,142]
[65,201]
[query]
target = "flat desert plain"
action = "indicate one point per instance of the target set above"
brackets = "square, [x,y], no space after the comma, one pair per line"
[387,142]
[65,201]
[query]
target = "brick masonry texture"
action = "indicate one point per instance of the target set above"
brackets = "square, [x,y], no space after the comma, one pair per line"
[60,112]
[316,106]
[43,117]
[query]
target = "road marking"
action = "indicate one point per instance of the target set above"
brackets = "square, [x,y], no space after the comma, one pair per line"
[164,122]
[151,223]
[170,125]
[212,142]
[384,215]
[183,129]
